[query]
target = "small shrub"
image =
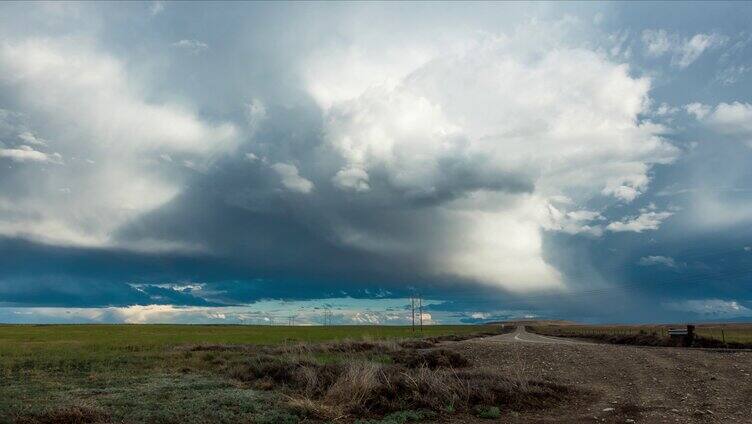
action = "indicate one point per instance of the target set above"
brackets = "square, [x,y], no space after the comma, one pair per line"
[433,359]
[488,412]
[417,344]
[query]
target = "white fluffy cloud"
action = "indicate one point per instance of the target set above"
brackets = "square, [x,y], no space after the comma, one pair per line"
[30,138]
[711,307]
[291,178]
[643,222]
[684,51]
[354,179]
[501,129]
[111,137]
[25,153]
[732,119]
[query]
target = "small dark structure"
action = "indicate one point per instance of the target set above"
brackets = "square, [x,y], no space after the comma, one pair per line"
[685,335]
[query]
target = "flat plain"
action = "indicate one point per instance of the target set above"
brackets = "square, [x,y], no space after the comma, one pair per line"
[158,373]
[76,374]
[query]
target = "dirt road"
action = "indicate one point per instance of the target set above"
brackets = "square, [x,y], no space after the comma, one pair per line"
[520,335]
[628,383]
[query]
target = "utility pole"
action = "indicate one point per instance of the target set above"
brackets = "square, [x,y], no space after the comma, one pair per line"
[412,308]
[420,300]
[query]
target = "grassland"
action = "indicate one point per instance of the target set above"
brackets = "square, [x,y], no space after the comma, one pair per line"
[733,335]
[164,373]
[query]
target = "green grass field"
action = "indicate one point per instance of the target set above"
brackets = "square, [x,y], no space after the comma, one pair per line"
[67,348]
[147,373]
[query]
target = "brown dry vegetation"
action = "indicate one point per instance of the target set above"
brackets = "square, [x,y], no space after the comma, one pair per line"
[408,379]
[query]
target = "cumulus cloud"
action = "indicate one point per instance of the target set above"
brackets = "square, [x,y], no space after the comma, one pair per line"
[711,308]
[492,136]
[698,110]
[28,154]
[732,119]
[111,134]
[30,138]
[354,179]
[684,51]
[644,222]
[340,310]
[575,222]
[664,109]
[657,260]
[291,179]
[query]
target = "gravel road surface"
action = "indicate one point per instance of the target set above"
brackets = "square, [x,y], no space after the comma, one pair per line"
[629,384]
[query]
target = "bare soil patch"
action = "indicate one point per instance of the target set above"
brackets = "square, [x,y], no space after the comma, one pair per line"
[640,384]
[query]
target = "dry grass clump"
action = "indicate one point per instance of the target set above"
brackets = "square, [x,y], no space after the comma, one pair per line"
[432,359]
[417,380]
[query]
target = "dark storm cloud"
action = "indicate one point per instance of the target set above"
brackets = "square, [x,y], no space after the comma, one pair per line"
[241,234]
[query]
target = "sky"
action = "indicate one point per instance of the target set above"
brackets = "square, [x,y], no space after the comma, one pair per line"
[248,162]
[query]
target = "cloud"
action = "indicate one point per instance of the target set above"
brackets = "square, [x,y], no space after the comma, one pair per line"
[354,179]
[28,154]
[684,51]
[291,178]
[695,46]
[657,42]
[657,260]
[698,110]
[192,46]
[732,119]
[309,312]
[644,222]
[710,308]
[575,222]
[490,139]
[732,74]
[30,138]
[664,109]
[255,114]
[110,135]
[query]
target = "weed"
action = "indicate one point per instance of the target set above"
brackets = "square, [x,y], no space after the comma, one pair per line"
[433,359]
[488,412]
